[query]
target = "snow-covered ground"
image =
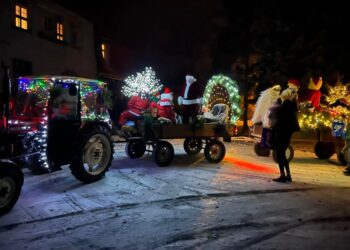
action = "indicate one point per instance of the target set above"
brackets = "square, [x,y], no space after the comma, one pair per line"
[192,203]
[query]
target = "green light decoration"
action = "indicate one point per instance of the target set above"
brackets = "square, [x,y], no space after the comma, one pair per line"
[222,89]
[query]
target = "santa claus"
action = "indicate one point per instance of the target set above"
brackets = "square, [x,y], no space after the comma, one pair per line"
[165,106]
[135,107]
[191,99]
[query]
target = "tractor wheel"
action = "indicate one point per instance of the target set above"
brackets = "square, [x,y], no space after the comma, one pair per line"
[11,181]
[94,155]
[324,150]
[260,150]
[289,154]
[214,151]
[163,153]
[135,149]
[193,146]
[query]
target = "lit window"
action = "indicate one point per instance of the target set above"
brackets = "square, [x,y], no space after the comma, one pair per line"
[59,31]
[21,20]
[103,50]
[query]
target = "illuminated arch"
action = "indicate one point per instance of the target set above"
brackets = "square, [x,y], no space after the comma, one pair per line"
[222,89]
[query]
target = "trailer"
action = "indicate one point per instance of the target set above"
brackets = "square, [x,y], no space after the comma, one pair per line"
[205,137]
[323,142]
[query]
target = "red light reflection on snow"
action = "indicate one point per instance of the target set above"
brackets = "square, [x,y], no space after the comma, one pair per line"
[250,165]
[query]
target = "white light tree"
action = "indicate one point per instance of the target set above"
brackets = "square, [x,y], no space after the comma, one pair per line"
[144,83]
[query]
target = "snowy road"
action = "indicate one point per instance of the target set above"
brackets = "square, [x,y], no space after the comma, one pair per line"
[191,204]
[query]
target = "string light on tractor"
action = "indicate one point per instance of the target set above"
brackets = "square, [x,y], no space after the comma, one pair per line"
[40,89]
[222,89]
[144,84]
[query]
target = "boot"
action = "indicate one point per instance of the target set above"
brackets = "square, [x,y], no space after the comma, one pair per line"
[289,178]
[282,179]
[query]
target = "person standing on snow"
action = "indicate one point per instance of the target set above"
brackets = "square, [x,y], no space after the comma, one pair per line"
[347,145]
[284,123]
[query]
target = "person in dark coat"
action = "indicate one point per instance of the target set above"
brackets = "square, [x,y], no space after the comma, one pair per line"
[284,124]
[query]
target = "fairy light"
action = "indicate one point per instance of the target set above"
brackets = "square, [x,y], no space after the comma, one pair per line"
[337,92]
[222,89]
[143,84]
[41,86]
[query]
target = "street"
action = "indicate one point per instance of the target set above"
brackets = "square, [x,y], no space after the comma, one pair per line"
[189,204]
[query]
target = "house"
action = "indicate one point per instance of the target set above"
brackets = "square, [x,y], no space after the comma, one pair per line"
[43,38]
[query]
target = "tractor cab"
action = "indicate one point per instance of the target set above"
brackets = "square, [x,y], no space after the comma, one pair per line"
[54,114]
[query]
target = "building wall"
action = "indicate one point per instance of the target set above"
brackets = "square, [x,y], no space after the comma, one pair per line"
[40,47]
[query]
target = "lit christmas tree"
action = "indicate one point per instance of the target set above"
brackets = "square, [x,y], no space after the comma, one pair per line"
[337,92]
[144,84]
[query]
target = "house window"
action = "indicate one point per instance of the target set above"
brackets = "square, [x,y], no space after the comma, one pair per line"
[59,31]
[104,50]
[21,17]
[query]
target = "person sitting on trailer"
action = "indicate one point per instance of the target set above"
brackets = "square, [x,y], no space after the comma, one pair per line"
[128,118]
[165,107]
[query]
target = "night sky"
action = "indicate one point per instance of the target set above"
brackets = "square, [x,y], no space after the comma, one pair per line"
[292,39]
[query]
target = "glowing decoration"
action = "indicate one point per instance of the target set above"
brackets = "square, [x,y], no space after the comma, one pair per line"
[337,92]
[93,97]
[144,84]
[314,120]
[222,89]
[338,128]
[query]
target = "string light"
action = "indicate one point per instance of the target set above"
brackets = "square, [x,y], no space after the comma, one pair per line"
[41,88]
[143,84]
[337,92]
[222,89]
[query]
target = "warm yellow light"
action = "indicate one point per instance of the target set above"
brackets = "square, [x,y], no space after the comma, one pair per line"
[18,10]
[21,18]
[59,31]
[18,22]
[24,24]
[24,12]
[103,50]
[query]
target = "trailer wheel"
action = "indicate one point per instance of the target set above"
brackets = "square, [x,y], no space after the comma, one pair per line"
[193,146]
[342,156]
[214,151]
[11,181]
[135,149]
[261,150]
[94,155]
[289,154]
[163,153]
[324,150]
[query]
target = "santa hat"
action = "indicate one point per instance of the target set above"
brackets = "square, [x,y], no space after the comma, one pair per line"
[190,79]
[167,91]
[293,83]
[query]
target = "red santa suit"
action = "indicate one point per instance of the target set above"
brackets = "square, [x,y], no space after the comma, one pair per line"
[165,105]
[191,98]
[313,94]
[135,107]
